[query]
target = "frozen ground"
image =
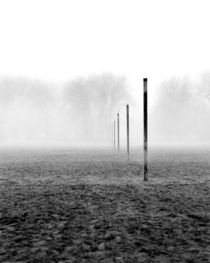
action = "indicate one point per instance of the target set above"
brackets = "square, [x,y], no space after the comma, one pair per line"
[93,206]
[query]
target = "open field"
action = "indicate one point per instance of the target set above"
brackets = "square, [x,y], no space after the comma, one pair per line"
[93,206]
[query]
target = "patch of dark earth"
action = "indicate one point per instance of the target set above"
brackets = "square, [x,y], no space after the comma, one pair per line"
[104,223]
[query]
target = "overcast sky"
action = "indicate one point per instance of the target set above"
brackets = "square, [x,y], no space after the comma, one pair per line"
[57,40]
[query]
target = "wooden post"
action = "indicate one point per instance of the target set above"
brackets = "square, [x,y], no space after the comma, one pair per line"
[114,136]
[145,131]
[128,142]
[118,132]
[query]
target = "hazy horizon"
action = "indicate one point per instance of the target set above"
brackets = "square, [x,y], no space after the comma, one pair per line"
[82,112]
[68,67]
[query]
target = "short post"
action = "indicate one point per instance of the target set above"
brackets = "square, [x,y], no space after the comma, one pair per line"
[128,142]
[114,136]
[145,131]
[118,132]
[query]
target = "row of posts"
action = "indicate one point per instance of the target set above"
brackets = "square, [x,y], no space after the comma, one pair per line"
[145,125]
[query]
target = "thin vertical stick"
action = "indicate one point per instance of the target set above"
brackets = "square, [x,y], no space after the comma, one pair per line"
[145,131]
[114,136]
[128,142]
[118,132]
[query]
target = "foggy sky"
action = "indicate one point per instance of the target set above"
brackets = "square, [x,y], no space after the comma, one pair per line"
[55,40]
[53,51]
[182,110]
[83,111]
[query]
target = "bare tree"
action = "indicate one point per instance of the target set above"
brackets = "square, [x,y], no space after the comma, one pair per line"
[94,100]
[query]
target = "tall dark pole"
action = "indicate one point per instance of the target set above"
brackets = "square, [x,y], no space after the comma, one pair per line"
[127,119]
[118,132]
[145,131]
[114,136]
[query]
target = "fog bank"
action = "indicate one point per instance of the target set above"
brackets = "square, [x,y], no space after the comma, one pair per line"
[79,112]
[182,112]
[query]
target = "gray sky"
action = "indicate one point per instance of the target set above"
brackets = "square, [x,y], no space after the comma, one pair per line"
[57,40]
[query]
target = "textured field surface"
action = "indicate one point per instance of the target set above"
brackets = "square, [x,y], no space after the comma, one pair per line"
[93,206]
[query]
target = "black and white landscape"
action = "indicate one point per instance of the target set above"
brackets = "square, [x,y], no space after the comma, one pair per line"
[74,80]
